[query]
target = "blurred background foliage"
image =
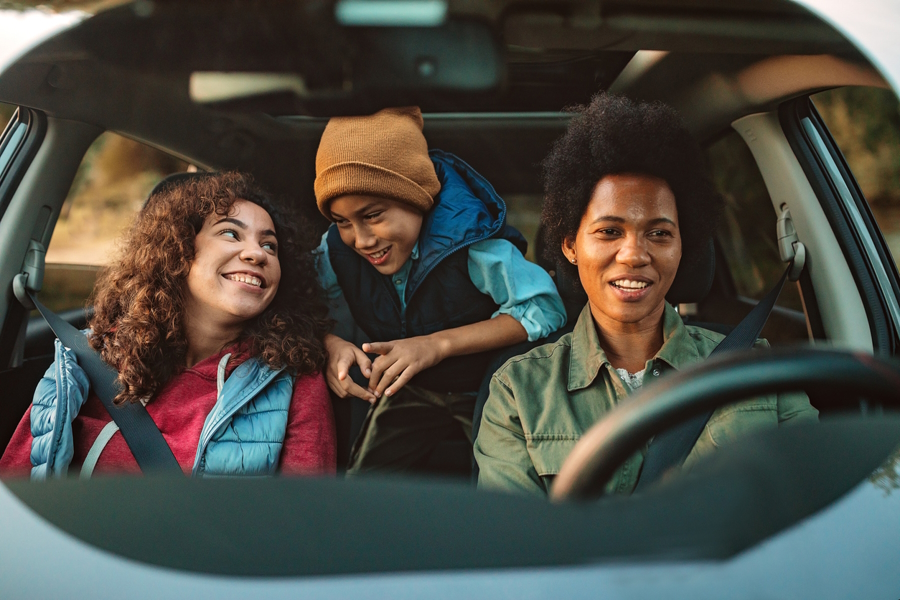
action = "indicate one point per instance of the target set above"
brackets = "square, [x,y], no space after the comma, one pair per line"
[6,112]
[887,476]
[865,124]
[111,185]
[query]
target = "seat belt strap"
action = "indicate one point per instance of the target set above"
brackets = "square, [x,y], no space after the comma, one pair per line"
[90,461]
[671,448]
[143,437]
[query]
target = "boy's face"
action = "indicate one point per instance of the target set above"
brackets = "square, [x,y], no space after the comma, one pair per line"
[382,231]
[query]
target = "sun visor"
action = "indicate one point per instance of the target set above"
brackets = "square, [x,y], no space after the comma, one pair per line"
[317,58]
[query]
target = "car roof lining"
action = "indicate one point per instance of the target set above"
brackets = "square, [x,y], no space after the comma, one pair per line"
[711,96]
[68,79]
[281,152]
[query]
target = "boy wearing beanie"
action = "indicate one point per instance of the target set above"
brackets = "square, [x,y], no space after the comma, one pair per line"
[420,250]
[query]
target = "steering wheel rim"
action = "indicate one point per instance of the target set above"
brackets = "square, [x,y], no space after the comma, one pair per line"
[707,386]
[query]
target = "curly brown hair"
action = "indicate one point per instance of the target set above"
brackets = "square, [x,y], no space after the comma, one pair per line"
[138,321]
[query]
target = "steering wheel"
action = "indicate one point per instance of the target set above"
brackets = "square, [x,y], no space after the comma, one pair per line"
[707,386]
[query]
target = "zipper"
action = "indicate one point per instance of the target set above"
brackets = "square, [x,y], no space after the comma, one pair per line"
[500,223]
[464,245]
[54,443]
[215,421]
[391,292]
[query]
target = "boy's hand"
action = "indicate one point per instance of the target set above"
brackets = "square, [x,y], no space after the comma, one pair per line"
[341,356]
[400,360]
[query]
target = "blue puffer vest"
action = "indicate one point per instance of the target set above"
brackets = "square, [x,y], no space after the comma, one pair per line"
[242,434]
[439,294]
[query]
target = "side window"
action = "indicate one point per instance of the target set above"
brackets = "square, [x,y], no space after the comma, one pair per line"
[6,113]
[865,124]
[110,187]
[747,234]
[524,213]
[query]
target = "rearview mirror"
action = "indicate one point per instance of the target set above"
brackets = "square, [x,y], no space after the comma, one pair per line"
[394,64]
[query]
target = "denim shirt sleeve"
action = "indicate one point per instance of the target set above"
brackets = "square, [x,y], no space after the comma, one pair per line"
[325,272]
[523,289]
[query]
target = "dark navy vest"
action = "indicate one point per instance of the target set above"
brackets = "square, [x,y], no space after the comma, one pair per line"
[439,293]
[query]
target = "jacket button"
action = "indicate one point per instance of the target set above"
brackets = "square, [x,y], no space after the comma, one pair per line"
[656,372]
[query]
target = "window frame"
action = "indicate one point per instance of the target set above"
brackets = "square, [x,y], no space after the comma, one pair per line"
[11,172]
[851,219]
[21,153]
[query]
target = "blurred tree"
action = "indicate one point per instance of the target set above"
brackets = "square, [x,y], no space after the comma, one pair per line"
[6,113]
[887,476]
[865,124]
[112,183]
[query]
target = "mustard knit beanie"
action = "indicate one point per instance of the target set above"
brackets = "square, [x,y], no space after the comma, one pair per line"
[384,154]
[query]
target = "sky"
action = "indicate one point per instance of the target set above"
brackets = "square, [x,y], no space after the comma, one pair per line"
[21,30]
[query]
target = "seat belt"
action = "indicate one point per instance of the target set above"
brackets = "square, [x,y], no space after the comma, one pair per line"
[671,448]
[150,450]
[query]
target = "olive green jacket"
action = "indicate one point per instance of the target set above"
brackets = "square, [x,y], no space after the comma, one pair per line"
[542,402]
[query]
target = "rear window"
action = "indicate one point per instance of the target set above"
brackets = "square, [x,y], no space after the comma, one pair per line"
[110,187]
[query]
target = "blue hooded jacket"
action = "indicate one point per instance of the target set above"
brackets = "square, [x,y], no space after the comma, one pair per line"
[242,435]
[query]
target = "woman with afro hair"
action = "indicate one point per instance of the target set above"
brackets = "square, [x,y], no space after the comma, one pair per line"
[213,318]
[628,203]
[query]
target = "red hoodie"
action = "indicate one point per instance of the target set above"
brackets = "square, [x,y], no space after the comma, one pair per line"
[179,410]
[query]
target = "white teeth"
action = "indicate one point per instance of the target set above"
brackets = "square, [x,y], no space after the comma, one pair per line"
[245,279]
[379,254]
[630,285]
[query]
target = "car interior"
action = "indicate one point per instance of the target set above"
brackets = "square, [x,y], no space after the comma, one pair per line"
[250,88]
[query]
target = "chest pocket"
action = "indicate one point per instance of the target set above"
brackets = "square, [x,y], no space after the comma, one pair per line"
[548,453]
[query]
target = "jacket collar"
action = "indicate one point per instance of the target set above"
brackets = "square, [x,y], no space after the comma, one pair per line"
[467,210]
[587,357]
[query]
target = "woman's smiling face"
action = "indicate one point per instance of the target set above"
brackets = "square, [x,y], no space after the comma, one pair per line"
[235,273]
[627,249]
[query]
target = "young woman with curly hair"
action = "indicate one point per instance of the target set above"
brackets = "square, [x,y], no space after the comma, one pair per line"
[214,319]
[628,205]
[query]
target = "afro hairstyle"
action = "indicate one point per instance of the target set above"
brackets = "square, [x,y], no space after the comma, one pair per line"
[615,135]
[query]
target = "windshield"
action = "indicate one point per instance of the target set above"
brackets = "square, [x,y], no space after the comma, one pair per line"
[433,256]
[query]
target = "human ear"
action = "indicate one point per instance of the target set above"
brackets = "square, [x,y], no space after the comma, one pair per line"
[568,249]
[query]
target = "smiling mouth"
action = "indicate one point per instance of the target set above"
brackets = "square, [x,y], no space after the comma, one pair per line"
[244,278]
[630,285]
[376,258]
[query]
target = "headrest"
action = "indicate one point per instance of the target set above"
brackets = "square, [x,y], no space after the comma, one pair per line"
[176,178]
[694,279]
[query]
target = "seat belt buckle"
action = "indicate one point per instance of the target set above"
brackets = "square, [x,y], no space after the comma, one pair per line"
[31,279]
[790,248]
